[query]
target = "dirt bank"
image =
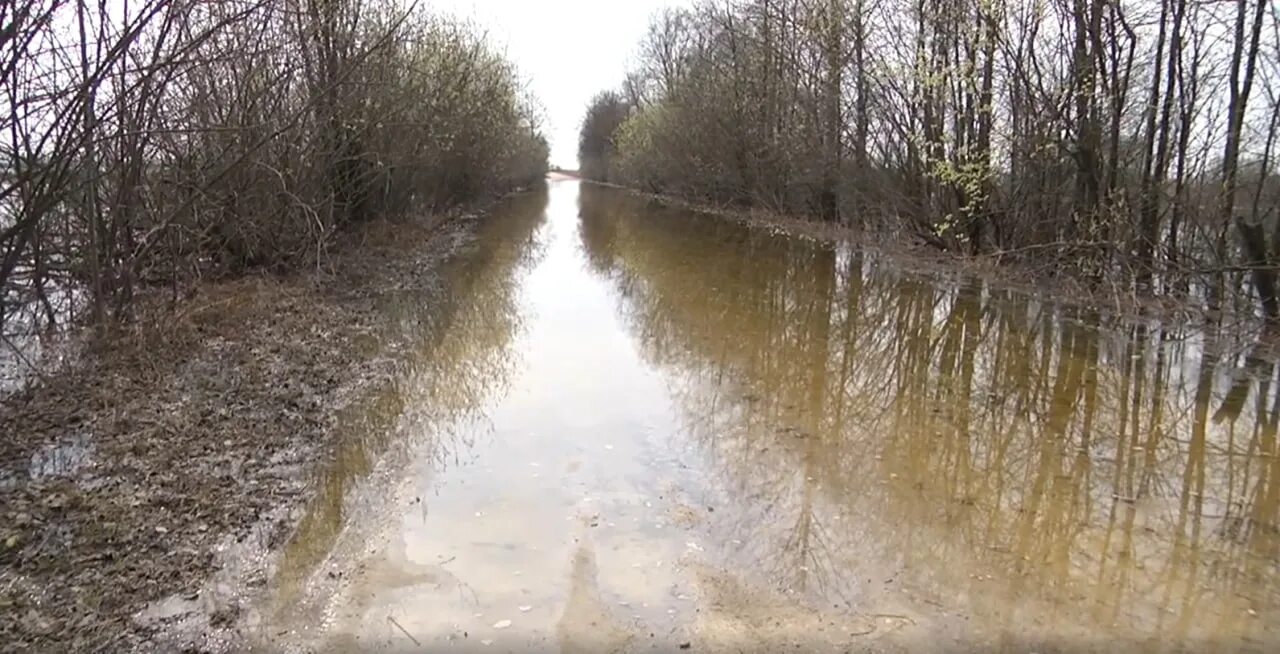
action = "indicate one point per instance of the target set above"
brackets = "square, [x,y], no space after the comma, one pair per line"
[126,479]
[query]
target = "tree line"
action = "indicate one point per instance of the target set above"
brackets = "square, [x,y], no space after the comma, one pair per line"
[1128,140]
[161,141]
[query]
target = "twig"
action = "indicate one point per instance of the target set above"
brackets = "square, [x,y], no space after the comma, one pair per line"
[890,616]
[404,631]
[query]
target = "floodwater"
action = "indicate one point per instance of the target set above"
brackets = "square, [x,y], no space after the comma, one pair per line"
[631,428]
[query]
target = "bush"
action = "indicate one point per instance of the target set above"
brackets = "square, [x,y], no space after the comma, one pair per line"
[206,138]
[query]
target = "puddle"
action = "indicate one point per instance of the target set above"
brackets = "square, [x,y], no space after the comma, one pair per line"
[67,459]
[639,428]
[64,459]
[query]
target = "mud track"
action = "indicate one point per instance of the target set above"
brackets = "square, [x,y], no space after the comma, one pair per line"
[127,479]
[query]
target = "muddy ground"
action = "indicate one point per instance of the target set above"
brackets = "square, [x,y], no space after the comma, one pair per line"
[126,479]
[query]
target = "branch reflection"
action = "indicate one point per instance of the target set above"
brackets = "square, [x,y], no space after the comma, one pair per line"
[1032,465]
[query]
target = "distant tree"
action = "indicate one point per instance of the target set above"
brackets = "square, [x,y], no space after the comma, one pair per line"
[596,153]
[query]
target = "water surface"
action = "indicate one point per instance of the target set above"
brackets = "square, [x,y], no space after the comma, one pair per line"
[632,428]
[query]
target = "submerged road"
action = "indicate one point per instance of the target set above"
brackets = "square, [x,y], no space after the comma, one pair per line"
[637,429]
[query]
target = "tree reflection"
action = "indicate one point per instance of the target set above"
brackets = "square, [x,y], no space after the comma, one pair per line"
[455,339]
[985,444]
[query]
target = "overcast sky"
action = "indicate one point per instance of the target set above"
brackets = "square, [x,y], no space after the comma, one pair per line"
[567,50]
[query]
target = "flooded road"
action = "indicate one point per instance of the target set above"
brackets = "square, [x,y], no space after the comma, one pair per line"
[636,429]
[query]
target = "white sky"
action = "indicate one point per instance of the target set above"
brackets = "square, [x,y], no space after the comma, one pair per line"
[568,50]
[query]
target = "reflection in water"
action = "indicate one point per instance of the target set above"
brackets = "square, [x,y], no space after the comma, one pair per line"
[980,450]
[67,458]
[627,427]
[454,354]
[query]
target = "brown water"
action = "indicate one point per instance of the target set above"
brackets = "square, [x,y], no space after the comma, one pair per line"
[636,429]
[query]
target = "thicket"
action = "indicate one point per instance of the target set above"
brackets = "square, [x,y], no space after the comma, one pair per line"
[1130,142]
[161,141]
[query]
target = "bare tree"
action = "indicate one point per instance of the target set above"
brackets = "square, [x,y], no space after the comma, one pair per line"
[1104,139]
[158,141]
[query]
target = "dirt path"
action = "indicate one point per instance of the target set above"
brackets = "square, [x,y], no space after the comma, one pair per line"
[133,477]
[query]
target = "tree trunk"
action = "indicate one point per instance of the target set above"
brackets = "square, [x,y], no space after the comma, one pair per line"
[833,122]
[1241,83]
[1253,240]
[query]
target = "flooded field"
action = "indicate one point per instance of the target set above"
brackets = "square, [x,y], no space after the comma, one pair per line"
[637,429]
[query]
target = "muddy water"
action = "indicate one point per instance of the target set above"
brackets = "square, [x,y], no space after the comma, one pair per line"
[635,429]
